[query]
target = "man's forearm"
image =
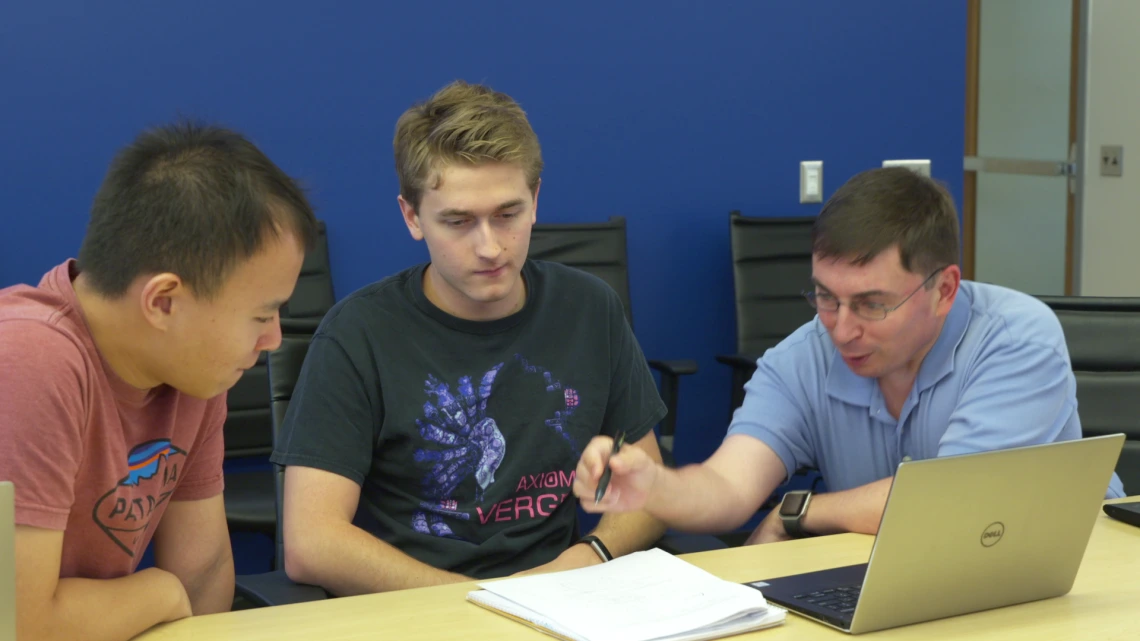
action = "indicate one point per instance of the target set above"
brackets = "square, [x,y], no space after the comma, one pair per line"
[696,498]
[856,510]
[213,590]
[106,609]
[625,533]
[346,560]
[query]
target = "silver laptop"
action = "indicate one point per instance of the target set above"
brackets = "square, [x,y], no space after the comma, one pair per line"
[7,562]
[966,533]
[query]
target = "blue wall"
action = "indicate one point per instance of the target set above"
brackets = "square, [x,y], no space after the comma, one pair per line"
[668,113]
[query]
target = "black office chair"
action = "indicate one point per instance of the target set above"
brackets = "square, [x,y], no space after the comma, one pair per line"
[275,588]
[600,249]
[1103,337]
[248,427]
[771,266]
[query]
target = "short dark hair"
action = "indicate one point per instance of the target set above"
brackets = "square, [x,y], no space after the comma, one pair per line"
[190,199]
[889,206]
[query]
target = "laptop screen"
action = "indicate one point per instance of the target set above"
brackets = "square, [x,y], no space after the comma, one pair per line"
[7,562]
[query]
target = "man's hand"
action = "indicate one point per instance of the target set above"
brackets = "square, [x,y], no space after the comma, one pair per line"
[770,530]
[575,556]
[633,473]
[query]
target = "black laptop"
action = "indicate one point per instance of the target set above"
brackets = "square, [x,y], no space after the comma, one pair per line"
[1126,512]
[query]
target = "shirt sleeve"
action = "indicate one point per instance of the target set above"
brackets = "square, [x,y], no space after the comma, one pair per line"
[634,403]
[776,408]
[334,412]
[43,384]
[203,477]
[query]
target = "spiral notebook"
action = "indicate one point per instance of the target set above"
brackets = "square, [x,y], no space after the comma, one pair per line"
[644,596]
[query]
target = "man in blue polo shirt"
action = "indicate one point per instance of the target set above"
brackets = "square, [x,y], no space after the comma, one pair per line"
[904,360]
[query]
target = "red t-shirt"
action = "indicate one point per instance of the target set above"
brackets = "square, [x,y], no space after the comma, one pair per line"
[88,453]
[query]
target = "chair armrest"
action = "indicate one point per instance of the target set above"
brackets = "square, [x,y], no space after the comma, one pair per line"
[675,368]
[743,367]
[671,373]
[675,543]
[275,588]
[739,361]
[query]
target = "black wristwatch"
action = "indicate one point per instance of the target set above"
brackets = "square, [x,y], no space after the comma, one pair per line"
[599,548]
[792,509]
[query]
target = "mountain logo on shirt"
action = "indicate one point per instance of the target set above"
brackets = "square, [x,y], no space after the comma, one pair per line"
[124,512]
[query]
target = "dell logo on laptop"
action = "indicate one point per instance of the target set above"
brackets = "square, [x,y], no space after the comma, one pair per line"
[992,534]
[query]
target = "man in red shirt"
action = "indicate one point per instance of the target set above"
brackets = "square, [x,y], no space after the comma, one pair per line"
[113,373]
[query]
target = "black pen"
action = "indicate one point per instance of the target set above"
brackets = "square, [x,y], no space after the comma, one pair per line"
[605,480]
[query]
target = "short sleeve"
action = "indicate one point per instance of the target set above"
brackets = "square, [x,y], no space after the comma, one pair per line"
[634,403]
[203,478]
[43,386]
[334,413]
[775,411]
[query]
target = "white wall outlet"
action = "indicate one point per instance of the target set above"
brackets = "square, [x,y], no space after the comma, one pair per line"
[811,181]
[917,166]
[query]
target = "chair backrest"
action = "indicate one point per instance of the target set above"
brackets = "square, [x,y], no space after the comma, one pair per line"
[1103,337]
[246,430]
[248,425]
[313,296]
[284,371]
[771,266]
[596,248]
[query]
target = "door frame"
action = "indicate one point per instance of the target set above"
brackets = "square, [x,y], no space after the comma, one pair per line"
[1076,131]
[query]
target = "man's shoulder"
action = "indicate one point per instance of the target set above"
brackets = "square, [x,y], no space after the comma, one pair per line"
[565,285]
[24,302]
[561,275]
[376,303]
[809,341]
[38,327]
[1010,314]
[803,359]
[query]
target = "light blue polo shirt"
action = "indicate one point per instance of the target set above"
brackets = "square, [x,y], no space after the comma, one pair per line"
[998,376]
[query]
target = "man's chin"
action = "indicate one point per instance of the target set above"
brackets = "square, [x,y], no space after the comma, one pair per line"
[206,393]
[489,295]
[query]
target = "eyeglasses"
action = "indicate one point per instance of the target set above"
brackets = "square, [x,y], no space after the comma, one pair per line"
[867,310]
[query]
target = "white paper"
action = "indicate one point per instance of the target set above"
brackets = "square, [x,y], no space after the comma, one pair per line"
[639,597]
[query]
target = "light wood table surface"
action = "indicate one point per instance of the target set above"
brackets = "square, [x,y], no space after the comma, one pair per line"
[1103,604]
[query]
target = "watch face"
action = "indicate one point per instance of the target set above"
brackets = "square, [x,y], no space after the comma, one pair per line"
[792,504]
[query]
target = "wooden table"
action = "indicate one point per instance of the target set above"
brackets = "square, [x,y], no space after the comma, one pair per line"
[1104,603]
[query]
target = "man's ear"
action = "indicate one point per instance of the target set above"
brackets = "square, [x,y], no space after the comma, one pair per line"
[160,298]
[948,285]
[411,218]
[534,210]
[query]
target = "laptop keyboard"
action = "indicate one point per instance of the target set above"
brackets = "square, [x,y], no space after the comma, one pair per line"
[841,600]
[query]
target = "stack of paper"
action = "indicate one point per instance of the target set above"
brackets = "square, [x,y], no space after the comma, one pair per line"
[645,596]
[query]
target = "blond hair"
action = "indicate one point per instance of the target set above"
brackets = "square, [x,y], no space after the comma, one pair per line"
[462,124]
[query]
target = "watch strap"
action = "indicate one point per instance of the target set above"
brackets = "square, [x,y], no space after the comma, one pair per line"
[599,548]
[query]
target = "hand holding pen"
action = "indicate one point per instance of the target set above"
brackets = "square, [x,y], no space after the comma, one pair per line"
[605,481]
[615,476]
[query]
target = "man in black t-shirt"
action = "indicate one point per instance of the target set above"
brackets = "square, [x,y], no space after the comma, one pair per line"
[441,412]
